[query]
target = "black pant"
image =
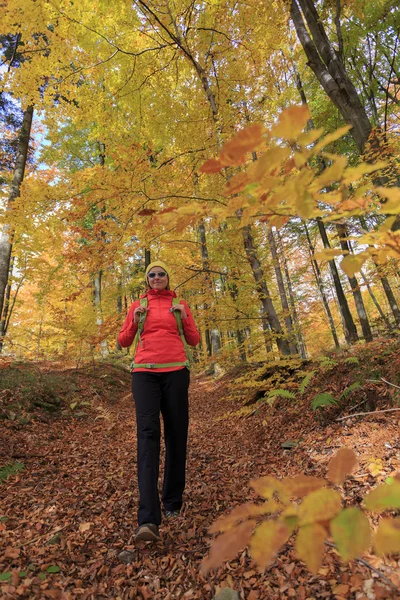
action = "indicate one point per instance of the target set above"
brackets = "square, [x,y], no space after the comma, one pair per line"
[166,393]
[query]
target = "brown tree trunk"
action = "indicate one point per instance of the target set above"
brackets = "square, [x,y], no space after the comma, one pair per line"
[355,288]
[318,279]
[282,293]
[212,344]
[7,234]
[330,71]
[302,345]
[350,331]
[263,292]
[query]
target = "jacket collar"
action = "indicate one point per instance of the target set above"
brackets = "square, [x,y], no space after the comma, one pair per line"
[155,293]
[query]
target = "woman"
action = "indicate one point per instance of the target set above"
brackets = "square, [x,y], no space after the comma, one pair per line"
[160,382]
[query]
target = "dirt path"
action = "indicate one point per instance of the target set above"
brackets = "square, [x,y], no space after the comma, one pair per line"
[73,509]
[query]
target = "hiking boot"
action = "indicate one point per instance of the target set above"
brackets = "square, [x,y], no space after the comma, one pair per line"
[172,514]
[148,532]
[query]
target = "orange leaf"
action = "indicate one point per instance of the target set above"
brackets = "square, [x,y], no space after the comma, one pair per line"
[301,485]
[211,166]
[267,540]
[266,486]
[12,552]
[242,512]
[146,212]
[247,140]
[291,122]
[310,544]
[341,465]
[226,546]
[236,184]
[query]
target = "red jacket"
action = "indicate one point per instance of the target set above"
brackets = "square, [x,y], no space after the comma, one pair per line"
[161,342]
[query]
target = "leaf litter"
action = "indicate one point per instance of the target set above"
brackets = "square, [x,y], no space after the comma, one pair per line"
[67,520]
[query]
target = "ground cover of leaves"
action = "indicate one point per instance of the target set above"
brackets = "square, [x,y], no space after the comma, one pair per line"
[67,519]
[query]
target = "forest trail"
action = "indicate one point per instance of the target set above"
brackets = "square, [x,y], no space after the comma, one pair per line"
[72,510]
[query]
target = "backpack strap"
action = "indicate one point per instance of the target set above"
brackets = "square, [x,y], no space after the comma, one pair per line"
[138,339]
[178,318]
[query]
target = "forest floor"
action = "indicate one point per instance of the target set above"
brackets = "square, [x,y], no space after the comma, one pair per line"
[67,518]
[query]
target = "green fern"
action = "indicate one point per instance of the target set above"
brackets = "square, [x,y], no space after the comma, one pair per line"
[347,391]
[306,381]
[279,394]
[323,401]
[327,363]
[351,360]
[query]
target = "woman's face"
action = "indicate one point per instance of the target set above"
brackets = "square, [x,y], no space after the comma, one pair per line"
[157,278]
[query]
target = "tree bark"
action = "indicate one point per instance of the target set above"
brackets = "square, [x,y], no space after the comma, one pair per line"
[282,293]
[212,344]
[263,292]
[301,343]
[329,69]
[318,279]
[350,331]
[7,234]
[99,312]
[355,288]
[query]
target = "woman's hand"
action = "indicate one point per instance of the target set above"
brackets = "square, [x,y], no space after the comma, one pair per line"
[138,311]
[181,309]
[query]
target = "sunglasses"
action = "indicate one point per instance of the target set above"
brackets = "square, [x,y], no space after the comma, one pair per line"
[161,274]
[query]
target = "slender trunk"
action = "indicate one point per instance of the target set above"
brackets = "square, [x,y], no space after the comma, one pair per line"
[211,345]
[147,258]
[99,312]
[355,288]
[239,334]
[118,346]
[7,234]
[318,279]
[350,331]
[263,292]
[385,283]
[375,301]
[302,345]
[282,293]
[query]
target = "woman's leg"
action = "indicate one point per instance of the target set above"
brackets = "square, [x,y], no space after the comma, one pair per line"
[146,391]
[175,412]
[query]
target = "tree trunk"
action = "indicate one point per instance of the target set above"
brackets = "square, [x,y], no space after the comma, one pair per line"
[6,236]
[329,69]
[355,288]
[318,279]
[282,293]
[385,284]
[350,331]
[210,344]
[302,345]
[99,312]
[375,301]
[263,292]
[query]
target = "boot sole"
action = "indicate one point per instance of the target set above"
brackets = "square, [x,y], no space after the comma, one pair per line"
[146,535]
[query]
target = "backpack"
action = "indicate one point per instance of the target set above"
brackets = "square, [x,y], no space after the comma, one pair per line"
[138,339]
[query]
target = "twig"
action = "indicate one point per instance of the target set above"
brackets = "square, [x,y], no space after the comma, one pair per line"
[374,569]
[393,384]
[385,381]
[373,412]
